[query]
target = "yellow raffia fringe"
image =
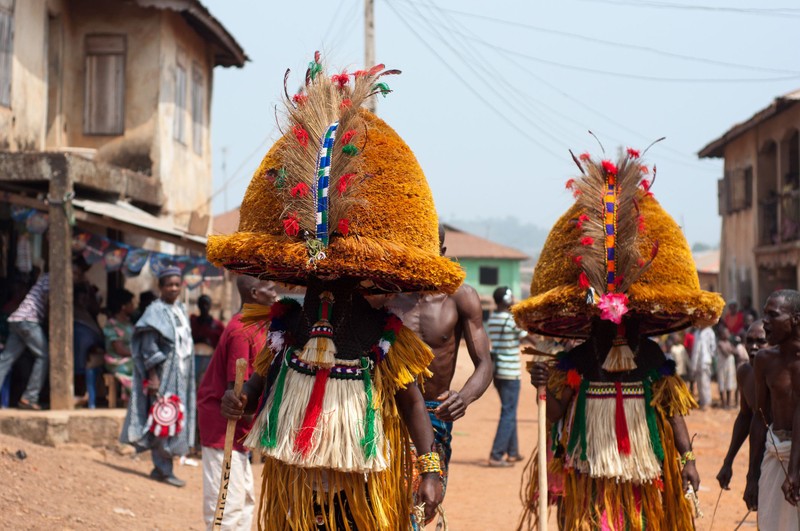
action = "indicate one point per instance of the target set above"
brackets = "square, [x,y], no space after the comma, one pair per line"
[671,397]
[379,500]
[585,499]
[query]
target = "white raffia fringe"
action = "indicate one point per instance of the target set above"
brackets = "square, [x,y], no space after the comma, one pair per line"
[603,457]
[336,442]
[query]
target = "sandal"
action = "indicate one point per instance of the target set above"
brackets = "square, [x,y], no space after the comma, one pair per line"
[32,406]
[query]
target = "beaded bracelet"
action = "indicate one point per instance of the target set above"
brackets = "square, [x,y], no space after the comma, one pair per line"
[429,462]
[686,457]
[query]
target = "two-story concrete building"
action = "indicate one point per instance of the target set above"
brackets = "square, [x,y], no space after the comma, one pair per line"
[105,123]
[759,201]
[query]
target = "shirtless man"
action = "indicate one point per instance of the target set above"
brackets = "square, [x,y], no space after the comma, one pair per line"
[754,341]
[441,321]
[775,405]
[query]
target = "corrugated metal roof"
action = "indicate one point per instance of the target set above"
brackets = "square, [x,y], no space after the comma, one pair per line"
[716,148]
[125,214]
[462,244]
[226,223]
[707,261]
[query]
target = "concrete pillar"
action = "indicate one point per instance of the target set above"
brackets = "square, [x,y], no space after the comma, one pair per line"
[61,317]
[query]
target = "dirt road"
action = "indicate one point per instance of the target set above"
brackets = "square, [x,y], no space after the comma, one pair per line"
[74,487]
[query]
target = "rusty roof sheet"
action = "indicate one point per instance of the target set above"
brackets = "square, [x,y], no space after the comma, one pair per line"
[462,244]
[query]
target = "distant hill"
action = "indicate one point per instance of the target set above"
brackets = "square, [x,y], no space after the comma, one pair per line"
[526,237]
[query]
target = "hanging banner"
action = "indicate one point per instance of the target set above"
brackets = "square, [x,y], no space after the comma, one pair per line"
[135,261]
[115,257]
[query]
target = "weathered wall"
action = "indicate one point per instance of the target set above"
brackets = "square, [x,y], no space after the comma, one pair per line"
[186,175]
[22,125]
[140,26]
[741,230]
[508,274]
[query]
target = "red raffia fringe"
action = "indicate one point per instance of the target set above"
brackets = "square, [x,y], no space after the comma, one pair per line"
[302,443]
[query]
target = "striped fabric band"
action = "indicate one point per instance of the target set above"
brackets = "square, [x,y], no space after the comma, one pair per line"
[598,390]
[337,372]
[611,231]
[323,181]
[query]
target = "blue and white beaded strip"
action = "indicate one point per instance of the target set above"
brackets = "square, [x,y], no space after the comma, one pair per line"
[323,182]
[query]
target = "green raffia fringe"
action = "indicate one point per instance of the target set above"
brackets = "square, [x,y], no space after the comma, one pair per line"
[652,425]
[350,150]
[579,424]
[270,437]
[368,442]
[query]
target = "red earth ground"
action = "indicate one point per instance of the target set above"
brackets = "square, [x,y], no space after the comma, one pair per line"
[77,487]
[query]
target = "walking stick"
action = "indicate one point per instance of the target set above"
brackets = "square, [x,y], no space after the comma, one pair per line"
[542,392]
[241,368]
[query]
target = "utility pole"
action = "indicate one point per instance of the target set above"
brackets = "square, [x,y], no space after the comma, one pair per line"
[225,177]
[369,45]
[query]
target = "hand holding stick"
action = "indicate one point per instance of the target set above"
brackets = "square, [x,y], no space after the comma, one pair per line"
[241,368]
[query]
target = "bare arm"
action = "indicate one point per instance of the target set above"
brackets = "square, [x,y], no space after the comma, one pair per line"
[470,318]
[741,430]
[791,487]
[683,443]
[411,405]
[121,349]
[758,431]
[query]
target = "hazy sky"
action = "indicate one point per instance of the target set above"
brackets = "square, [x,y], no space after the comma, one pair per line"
[494,93]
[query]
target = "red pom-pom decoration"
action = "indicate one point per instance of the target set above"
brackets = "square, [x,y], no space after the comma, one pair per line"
[644,169]
[609,167]
[343,227]
[346,104]
[301,135]
[300,189]
[570,184]
[393,324]
[359,73]
[348,136]
[344,181]
[633,153]
[585,157]
[581,219]
[340,79]
[583,280]
[587,240]
[291,225]
[300,98]
[574,379]
[577,259]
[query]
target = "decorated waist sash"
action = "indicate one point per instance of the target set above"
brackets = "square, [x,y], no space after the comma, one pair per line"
[609,434]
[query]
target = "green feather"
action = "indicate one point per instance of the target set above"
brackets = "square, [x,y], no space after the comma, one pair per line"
[382,87]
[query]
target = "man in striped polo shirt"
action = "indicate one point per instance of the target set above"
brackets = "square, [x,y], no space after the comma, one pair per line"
[26,332]
[505,337]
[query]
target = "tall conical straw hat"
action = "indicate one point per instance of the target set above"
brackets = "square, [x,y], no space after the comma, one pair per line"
[649,270]
[380,223]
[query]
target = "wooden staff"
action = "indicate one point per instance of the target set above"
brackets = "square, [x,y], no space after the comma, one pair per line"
[241,368]
[542,392]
